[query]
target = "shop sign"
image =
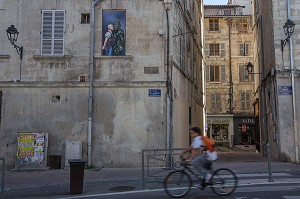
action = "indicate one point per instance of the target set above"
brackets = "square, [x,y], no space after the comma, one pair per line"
[248,120]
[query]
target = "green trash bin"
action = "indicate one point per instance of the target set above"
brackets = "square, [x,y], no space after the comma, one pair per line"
[76,175]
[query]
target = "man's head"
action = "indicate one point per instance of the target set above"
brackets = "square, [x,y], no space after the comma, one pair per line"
[196,131]
[110,27]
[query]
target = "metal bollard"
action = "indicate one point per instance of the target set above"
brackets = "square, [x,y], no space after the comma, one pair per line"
[269,163]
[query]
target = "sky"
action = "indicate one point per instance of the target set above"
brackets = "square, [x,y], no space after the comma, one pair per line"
[215,2]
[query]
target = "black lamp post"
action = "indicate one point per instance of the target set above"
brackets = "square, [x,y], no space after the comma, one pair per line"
[288,28]
[12,35]
[249,68]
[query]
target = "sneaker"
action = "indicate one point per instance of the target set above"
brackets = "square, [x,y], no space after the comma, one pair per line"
[198,185]
[208,177]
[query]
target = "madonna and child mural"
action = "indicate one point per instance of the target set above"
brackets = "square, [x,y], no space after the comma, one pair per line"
[113,32]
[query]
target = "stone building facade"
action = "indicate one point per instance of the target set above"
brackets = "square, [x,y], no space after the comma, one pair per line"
[145,96]
[276,58]
[229,87]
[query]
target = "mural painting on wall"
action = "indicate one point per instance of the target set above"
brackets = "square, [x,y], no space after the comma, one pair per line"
[113,32]
[31,148]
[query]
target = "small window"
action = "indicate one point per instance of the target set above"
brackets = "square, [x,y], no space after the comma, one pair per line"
[214,49]
[227,12]
[215,102]
[245,100]
[214,25]
[85,18]
[243,26]
[215,73]
[244,49]
[82,78]
[55,99]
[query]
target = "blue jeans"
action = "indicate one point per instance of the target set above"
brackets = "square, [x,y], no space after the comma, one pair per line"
[108,50]
[198,163]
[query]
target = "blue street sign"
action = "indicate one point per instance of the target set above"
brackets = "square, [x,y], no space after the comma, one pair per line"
[154,93]
[285,90]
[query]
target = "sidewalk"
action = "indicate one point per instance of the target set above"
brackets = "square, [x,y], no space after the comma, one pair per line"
[241,162]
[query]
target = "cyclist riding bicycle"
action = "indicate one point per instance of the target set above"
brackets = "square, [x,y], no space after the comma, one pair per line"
[199,158]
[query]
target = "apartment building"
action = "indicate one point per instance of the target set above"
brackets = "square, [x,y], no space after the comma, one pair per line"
[229,86]
[60,76]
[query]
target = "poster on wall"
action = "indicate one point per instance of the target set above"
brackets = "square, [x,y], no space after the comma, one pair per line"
[113,32]
[32,150]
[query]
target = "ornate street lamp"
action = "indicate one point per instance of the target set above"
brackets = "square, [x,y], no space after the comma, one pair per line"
[249,68]
[12,35]
[288,28]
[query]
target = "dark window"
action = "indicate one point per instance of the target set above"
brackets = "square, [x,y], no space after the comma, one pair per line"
[215,73]
[85,18]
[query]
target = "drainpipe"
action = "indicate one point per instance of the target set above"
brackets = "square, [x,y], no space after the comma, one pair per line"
[169,96]
[292,69]
[90,114]
[230,69]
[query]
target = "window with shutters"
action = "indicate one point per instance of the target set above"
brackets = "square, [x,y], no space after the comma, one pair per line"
[216,49]
[244,49]
[213,24]
[215,100]
[215,73]
[245,100]
[244,75]
[52,34]
[244,26]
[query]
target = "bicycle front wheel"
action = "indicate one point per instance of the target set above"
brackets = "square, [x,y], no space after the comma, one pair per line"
[177,184]
[223,182]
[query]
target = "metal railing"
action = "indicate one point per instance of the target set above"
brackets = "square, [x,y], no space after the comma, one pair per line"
[2,175]
[156,163]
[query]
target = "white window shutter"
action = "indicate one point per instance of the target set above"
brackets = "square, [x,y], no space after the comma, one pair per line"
[53,24]
[47,29]
[59,24]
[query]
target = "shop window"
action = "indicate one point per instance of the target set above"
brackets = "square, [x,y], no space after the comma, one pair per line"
[246,134]
[220,132]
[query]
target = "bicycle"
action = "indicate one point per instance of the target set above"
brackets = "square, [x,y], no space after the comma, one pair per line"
[178,183]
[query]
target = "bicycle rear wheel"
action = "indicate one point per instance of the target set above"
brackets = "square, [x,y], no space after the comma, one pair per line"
[223,182]
[177,184]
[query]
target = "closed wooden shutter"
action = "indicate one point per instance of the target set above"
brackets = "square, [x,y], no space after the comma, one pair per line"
[222,49]
[207,73]
[223,73]
[53,23]
[241,49]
